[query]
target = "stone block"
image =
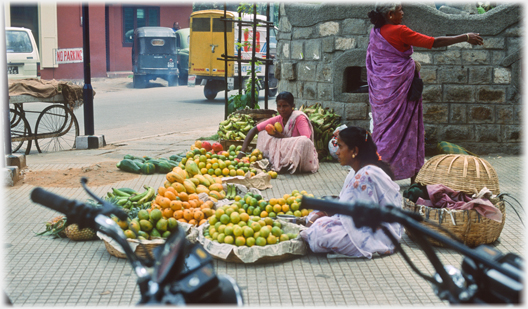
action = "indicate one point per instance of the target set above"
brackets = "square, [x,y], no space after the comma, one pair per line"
[513,43]
[288,71]
[297,50]
[513,31]
[481,114]
[328,44]
[505,114]
[338,107]
[90,142]
[329,28]
[448,57]
[313,50]
[302,33]
[307,71]
[432,93]
[287,36]
[299,86]
[492,43]
[452,75]
[497,56]
[455,133]
[342,43]
[428,75]
[458,113]
[475,57]
[491,94]
[324,91]
[461,45]
[362,42]
[11,174]
[511,133]
[310,91]
[502,75]
[423,58]
[285,51]
[431,133]
[284,24]
[356,111]
[324,72]
[456,93]
[277,65]
[479,75]
[487,133]
[435,113]
[355,26]
[290,86]
[16,159]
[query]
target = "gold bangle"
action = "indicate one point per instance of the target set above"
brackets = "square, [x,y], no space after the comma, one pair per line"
[467,37]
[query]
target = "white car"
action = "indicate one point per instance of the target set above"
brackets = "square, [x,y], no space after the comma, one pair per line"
[23,59]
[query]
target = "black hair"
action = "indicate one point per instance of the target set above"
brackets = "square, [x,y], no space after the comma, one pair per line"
[367,149]
[376,19]
[286,96]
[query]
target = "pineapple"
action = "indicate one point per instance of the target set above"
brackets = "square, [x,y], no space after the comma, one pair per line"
[55,227]
[73,233]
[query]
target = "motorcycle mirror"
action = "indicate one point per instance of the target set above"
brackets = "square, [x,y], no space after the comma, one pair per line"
[171,257]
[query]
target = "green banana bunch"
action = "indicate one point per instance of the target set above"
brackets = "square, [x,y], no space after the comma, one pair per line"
[324,122]
[235,127]
[231,191]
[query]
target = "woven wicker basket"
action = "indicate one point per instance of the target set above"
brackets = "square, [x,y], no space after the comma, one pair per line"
[465,173]
[149,245]
[468,225]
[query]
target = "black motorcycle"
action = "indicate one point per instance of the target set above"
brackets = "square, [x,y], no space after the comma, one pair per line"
[179,273]
[487,276]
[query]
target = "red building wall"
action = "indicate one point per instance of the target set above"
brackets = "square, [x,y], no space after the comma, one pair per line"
[120,59]
[70,35]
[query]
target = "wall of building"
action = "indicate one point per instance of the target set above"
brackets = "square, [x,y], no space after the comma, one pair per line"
[471,94]
[70,35]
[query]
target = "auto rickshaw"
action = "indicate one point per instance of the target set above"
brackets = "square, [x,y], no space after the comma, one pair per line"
[154,55]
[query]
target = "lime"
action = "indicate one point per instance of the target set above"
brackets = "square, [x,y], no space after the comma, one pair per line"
[221,229]
[250,241]
[260,241]
[228,230]
[265,232]
[229,240]
[224,218]
[256,226]
[271,239]
[221,238]
[248,232]
[283,237]
[238,231]
[276,231]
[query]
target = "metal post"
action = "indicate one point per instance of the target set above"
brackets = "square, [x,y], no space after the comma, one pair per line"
[253,47]
[87,90]
[239,62]
[266,70]
[226,112]
[5,92]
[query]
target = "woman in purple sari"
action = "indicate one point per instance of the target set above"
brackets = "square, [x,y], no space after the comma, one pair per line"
[398,124]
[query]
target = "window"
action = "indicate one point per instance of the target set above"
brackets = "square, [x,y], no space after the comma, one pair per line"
[137,16]
[355,80]
[18,42]
[218,25]
[201,24]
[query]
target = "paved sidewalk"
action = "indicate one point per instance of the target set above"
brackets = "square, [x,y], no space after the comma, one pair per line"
[39,271]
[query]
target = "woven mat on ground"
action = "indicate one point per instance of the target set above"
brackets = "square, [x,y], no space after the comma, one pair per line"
[39,88]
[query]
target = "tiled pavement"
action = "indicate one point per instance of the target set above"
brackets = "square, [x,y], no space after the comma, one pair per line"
[58,272]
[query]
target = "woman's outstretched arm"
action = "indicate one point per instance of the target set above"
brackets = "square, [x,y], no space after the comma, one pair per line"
[249,137]
[472,38]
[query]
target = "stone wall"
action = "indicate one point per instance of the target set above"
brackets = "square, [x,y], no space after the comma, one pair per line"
[471,93]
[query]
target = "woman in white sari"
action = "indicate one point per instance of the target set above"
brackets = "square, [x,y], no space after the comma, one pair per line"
[292,150]
[370,180]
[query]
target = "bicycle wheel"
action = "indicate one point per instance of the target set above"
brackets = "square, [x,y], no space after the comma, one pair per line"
[56,129]
[21,136]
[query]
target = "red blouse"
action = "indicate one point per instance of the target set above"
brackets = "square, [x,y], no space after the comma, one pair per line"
[402,38]
[302,127]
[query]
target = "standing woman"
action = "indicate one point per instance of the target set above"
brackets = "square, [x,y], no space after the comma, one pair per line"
[398,123]
[293,150]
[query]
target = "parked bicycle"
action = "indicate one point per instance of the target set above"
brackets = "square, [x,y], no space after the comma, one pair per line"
[486,275]
[179,273]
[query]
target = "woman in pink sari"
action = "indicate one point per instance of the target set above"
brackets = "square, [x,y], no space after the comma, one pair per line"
[292,150]
[398,123]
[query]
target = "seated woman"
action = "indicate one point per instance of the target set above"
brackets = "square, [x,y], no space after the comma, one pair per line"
[370,180]
[292,150]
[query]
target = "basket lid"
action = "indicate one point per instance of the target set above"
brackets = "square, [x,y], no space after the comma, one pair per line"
[465,173]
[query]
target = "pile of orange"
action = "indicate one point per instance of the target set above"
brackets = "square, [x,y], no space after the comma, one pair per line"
[182,206]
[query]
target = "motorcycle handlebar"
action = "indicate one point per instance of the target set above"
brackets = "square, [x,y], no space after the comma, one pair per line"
[76,212]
